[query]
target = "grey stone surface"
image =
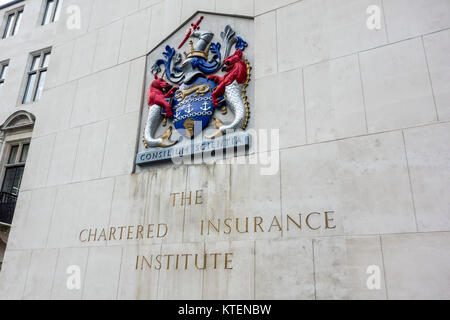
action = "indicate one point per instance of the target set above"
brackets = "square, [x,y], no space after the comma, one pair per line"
[134,36]
[106,101]
[314,31]
[83,56]
[274,271]
[120,145]
[160,209]
[437,45]
[429,165]
[341,265]
[189,7]
[181,284]
[411,18]
[71,215]
[286,91]
[397,86]
[13,278]
[350,177]
[33,218]
[129,203]
[67,258]
[40,274]
[266,61]
[238,7]
[140,284]
[135,85]
[166,16]
[63,159]
[105,12]
[417,265]
[108,46]
[90,152]
[61,62]
[334,100]
[102,273]
[236,283]
[56,108]
[39,159]
[262,6]
[85,10]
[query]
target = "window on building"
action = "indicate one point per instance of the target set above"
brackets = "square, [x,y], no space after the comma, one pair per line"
[12,180]
[36,76]
[14,168]
[14,154]
[3,72]
[52,11]
[12,25]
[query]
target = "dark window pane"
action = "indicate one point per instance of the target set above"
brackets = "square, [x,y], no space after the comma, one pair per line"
[40,85]
[48,12]
[29,88]
[18,22]
[3,72]
[13,154]
[13,180]
[58,10]
[8,182]
[35,63]
[24,155]
[9,25]
[46,60]
[17,181]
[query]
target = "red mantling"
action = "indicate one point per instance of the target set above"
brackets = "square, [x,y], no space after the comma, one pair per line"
[157,93]
[236,69]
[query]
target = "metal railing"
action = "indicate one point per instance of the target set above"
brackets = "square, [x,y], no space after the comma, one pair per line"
[7,206]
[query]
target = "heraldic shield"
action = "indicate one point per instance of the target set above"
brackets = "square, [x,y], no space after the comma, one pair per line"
[193,107]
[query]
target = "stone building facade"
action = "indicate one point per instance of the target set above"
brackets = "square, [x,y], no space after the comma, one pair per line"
[356,208]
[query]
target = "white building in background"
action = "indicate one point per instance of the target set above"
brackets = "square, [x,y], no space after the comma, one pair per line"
[28,30]
[353,203]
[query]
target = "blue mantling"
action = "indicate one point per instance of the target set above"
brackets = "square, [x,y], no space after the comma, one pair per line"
[215,48]
[169,54]
[204,66]
[241,44]
[172,59]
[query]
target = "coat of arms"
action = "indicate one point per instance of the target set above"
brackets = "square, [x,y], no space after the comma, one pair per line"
[188,87]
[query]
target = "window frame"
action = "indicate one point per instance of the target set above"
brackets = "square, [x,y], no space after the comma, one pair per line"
[55,14]
[17,162]
[41,68]
[3,65]
[9,146]
[17,15]
[16,130]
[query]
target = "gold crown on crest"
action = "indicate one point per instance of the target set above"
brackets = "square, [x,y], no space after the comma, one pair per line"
[201,54]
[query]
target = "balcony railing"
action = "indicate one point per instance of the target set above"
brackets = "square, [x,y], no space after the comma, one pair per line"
[7,206]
